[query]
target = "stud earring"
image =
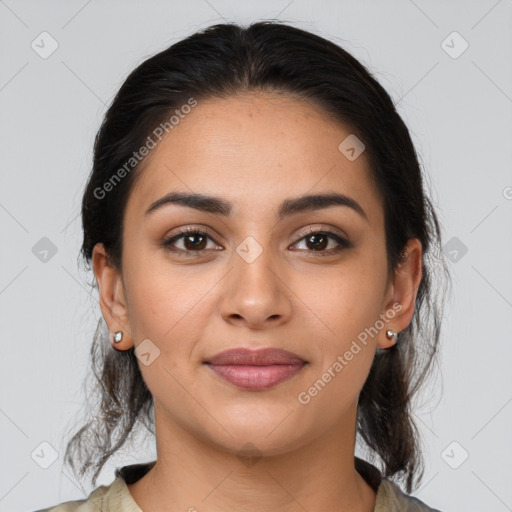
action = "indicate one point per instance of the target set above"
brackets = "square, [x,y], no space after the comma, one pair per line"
[118,336]
[392,335]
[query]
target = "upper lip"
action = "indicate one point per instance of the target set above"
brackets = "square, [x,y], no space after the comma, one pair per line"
[259,357]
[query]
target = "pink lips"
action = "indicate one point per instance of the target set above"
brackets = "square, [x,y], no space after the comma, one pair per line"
[255,369]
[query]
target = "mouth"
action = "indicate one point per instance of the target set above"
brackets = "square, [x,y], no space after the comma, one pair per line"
[255,370]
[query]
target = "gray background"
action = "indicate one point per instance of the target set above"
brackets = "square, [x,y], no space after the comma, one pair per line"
[458,109]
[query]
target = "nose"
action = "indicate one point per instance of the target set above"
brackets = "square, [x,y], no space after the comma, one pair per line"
[256,293]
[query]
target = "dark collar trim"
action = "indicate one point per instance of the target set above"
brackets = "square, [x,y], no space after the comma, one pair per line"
[369,472]
[130,474]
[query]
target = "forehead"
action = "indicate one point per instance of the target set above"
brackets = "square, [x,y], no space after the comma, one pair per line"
[254,149]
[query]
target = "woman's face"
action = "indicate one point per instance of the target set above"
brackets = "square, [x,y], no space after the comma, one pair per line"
[256,278]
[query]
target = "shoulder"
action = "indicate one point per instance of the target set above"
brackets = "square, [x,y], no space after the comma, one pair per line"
[391,497]
[97,501]
[113,497]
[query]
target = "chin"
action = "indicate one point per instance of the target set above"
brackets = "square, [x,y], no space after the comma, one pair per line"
[259,438]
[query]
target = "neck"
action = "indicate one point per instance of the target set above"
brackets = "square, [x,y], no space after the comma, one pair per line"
[191,474]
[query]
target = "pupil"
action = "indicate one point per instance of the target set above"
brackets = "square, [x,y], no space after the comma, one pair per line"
[320,245]
[189,238]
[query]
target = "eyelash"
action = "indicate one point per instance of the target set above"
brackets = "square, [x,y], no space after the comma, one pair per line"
[167,244]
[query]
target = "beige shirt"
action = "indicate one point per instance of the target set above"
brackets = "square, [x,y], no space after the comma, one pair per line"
[117,498]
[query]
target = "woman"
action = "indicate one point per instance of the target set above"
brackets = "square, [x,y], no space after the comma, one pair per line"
[262,245]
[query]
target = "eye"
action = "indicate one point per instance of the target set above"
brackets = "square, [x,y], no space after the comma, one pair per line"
[317,241]
[194,241]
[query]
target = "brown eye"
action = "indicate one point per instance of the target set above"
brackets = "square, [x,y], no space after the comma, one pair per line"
[194,241]
[318,241]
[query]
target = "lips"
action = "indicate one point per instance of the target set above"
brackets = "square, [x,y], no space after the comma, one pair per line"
[255,370]
[261,357]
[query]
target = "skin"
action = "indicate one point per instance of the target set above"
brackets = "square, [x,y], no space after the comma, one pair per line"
[254,150]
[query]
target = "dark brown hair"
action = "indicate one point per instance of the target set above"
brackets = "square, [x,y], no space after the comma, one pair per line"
[228,59]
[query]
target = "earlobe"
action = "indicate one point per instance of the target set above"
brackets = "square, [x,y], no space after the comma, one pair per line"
[117,338]
[112,300]
[400,308]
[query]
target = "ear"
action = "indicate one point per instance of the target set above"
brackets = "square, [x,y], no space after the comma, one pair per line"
[112,297]
[402,291]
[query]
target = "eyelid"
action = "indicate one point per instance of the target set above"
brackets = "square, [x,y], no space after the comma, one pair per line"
[324,228]
[191,229]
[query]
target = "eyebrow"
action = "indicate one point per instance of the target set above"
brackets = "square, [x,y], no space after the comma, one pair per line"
[218,206]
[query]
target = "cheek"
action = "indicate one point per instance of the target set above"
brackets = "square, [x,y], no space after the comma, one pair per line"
[343,301]
[165,301]
[343,306]
[339,319]
[172,310]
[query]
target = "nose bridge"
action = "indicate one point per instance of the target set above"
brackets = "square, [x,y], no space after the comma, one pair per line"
[253,262]
[255,291]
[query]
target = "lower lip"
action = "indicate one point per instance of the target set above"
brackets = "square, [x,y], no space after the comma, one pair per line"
[256,377]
